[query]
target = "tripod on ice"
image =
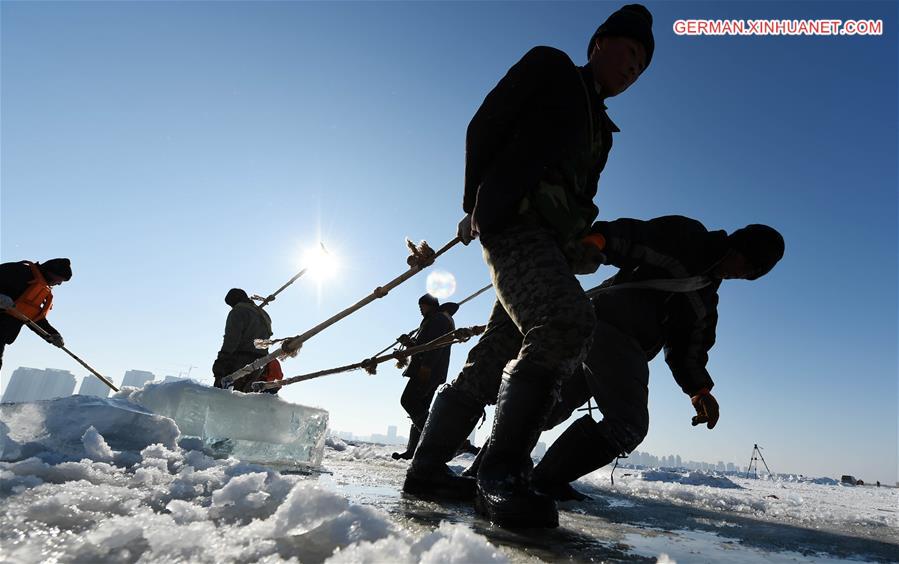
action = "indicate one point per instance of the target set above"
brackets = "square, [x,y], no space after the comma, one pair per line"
[756,456]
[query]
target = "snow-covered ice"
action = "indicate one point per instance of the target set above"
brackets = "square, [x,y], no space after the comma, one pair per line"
[58,426]
[260,428]
[91,497]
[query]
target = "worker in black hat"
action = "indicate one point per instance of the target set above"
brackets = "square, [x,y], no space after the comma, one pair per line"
[427,370]
[246,322]
[535,150]
[664,297]
[25,288]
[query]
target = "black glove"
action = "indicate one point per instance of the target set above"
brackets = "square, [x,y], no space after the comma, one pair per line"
[406,340]
[56,340]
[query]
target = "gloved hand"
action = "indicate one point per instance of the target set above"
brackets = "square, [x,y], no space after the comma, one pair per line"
[406,340]
[588,254]
[706,408]
[56,340]
[464,230]
[6,302]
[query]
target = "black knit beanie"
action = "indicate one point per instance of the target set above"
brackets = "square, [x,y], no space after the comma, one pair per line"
[633,21]
[762,246]
[236,296]
[61,267]
[429,300]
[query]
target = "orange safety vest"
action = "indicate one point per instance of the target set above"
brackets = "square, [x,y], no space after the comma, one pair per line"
[37,299]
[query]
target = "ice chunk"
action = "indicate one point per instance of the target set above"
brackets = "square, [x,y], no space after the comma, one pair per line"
[95,446]
[692,479]
[60,426]
[259,428]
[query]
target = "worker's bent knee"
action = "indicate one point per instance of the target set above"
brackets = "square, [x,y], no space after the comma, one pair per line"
[625,435]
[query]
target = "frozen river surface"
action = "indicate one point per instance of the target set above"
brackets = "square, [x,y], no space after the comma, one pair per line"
[140,494]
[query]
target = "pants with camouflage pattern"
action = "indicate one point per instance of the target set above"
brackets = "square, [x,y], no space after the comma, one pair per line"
[541,317]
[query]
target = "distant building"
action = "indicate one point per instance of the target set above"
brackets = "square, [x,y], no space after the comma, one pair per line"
[174,379]
[391,434]
[137,378]
[34,384]
[92,386]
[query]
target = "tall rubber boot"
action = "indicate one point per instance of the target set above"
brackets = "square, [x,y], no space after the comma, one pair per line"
[577,452]
[451,420]
[476,463]
[525,399]
[414,434]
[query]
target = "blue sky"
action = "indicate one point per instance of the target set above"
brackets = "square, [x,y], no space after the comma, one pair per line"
[175,150]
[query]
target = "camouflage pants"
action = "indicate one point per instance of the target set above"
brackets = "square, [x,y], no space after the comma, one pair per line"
[617,377]
[541,317]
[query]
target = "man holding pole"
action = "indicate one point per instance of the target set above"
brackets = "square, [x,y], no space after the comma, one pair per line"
[246,323]
[25,288]
[427,370]
[534,153]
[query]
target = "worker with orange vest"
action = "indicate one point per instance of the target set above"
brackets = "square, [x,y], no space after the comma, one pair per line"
[26,287]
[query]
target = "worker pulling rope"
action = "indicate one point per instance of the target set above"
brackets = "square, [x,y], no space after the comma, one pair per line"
[460,335]
[421,256]
[411,334]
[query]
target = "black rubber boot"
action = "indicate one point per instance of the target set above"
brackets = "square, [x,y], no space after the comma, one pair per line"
[577,452]
[476,463]
[451,420]
[414,434]
[525,398]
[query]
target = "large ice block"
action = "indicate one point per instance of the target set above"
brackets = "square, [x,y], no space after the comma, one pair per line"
[259,428]
[57,426]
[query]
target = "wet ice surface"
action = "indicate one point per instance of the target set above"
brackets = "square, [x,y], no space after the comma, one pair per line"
[95,502]
[653,515]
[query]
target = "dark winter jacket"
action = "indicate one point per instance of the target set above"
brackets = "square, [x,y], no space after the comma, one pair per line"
[14,279]
[246,322]
[433,325]
[536,146]
[683,323]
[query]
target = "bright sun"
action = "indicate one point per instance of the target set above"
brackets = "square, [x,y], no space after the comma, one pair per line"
[322,265]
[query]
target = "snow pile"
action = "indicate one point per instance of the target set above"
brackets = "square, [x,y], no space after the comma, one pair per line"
[166,503]
[805,502]
[61,427]
[449,544]
[259,428]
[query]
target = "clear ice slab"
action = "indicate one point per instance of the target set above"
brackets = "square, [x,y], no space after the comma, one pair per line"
[257,428]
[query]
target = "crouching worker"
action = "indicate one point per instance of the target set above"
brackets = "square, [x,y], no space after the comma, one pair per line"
[246,323]
[664,296]
[25,290]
